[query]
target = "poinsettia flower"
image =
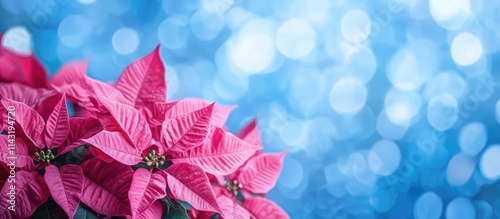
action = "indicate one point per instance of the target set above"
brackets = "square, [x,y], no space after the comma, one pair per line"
[106,187]
[222,153]
[39,140]
[24,69]
[148,129]
[247,185]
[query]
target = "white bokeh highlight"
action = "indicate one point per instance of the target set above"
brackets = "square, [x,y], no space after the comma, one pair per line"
[295,38]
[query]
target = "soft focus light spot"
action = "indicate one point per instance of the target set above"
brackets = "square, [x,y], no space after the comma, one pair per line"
[442,112]
[466,49]
[348,95]
[86,2]
[206,26]
[125,41]
[253,50]
[294,133]
[384,157]
[389,130]
[402,106]
[295,38]
[360,169]
[459,170]
[355,26]
[472,138]
[230,90]
[74,30]
[450,14]
[428,206]
[460,208]
[17,39]
[412,65]
[483,209]
[445,82]
[292,173]
[173,33]
[490,162]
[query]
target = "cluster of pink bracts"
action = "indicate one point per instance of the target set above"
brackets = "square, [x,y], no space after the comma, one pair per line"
[140,150]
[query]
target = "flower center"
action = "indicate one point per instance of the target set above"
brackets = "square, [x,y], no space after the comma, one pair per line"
[45,156]
[154,159]
[234,186]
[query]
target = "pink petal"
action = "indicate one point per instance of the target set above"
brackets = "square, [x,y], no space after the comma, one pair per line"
[116,146]
[216,179]
[222,155]
[154,211]
[105,187]
[219,116]
[260,173]
[72,80]
[130,120]
[22,69]
[189,183]
[251,133]
[65,186]
[19,153]
[144,80]
[57,126]
[231,210]
[97,153]
[145,189]
[182,133]
[155,112]
[31,192]
[80,128]
[31,122]
[261,208]
[25,94]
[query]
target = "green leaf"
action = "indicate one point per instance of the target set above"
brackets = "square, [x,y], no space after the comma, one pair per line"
[49,209]
[173,210]
[84,212]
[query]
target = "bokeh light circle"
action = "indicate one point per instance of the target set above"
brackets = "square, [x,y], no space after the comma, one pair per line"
[445,83]
[402,106]
[466,49]
[17,39]
[355,26]
[172,33]
[460,169]
[490,162]
[442,112]
[125,41]
[253,49]
[460,208]
[384,157]
[348,95]
[74,30]
[450,14]
[428,206]
[472,138]
[412,65]
[295,38]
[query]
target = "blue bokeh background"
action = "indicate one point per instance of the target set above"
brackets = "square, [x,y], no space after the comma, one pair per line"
[390,108]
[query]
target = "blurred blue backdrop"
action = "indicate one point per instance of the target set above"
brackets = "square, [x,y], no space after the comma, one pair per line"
[390,108]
